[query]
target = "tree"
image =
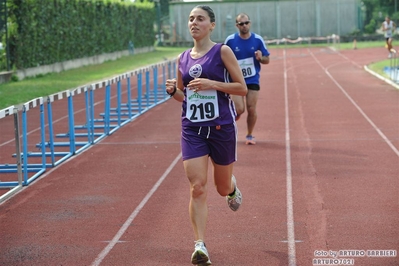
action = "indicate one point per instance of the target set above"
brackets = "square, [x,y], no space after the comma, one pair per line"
[376,10]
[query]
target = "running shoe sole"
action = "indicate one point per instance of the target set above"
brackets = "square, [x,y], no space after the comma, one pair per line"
[200,258]
[250,142]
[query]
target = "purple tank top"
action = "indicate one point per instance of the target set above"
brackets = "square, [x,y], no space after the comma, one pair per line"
[209,66]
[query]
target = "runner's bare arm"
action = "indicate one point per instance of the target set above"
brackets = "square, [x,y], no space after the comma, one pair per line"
[174,86]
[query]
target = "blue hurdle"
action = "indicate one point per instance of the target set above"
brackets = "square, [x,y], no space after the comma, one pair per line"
[56,152]
[30,170]
[14,186]
[153,95]
[107,106]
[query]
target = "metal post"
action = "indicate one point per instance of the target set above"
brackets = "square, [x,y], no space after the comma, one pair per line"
[119,101]
[25,145]
[71,123]
[129,98]
[51,130]
[90,138]
[107,108]
[91,113]
[147,87]
[139,90]
[155,76]
[17,146]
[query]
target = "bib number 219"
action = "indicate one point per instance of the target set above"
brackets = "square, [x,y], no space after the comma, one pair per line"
[202,106]
[202,111]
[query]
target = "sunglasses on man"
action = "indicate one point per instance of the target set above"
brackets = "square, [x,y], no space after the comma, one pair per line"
[243,23]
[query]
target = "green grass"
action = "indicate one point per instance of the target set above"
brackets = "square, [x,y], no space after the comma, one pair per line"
[296,45]
[360,45]
[378,67]
[14,93]
[341,46]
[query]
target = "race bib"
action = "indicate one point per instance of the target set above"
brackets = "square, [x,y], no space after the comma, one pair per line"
[202,105]
[247,67]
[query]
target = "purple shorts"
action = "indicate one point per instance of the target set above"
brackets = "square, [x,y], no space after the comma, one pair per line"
[219,142]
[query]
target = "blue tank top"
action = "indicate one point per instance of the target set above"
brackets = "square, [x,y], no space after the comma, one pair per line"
[205,108]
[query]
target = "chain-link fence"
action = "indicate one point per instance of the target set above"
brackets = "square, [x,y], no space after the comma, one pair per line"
[273,20]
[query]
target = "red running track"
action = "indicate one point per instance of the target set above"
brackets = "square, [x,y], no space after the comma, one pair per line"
[322,178]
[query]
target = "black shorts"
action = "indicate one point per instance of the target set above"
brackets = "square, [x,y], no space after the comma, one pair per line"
[253,87]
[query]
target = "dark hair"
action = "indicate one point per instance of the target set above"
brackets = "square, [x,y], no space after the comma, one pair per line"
[241,15]
[208,10]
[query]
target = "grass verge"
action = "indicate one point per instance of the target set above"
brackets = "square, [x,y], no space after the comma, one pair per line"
[15,93]
[378,67]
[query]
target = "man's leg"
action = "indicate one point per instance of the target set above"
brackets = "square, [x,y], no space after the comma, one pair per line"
[389,42]
[252,99]
[239,104]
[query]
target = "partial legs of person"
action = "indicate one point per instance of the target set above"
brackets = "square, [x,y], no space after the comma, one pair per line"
[239,105]
[196,171]
[251,99]
[222,175]
[225,182]
[389,46]
[226,185]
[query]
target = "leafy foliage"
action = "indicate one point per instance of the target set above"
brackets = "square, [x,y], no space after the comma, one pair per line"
[370,28]
[375,12]
[44,32]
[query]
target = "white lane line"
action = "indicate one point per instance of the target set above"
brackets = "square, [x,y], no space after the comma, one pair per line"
[132,216]
[396,151]
[386,80]
[348,59]
[290,205]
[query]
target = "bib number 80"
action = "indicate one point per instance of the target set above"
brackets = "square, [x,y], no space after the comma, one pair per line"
[246,72]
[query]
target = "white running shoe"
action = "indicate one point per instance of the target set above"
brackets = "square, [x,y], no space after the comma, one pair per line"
[390,55]
[200,255]
[234,201]
[250,140]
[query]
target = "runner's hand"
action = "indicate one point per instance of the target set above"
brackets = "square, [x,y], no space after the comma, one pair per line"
[170,85]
